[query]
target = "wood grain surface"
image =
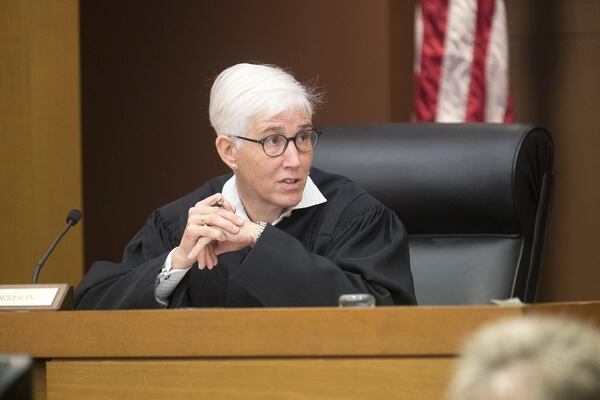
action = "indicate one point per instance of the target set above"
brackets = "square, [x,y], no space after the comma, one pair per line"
[40,150]
[352,378]
[245,332]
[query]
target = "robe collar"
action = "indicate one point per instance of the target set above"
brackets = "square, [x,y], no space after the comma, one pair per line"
[310,197]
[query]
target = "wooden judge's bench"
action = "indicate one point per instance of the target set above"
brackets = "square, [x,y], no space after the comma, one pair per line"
[300,353]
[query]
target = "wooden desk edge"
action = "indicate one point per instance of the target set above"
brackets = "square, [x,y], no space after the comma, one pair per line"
[269,332]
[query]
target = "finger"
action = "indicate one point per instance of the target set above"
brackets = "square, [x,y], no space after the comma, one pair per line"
[193,232]
[206,260]
[204,210]
[230,215]
[202,259]
[211,200]
[195,253]
[228,206]
[195,237]
[213,255]
[211,260]
[217,200]
[210,216]
[202,242]
[217,221]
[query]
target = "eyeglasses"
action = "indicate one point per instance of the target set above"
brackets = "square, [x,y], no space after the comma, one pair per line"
[276,145]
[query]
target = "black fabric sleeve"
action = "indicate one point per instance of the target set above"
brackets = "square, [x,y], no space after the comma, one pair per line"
[130,283]
[366,253]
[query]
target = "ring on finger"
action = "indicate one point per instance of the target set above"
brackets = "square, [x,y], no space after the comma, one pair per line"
[203,220]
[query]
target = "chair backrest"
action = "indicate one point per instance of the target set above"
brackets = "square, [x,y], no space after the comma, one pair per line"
[474,198]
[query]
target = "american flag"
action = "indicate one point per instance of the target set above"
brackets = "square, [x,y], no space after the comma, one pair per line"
[461,61]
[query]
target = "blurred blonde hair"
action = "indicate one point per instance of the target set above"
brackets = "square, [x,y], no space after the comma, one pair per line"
[534,358]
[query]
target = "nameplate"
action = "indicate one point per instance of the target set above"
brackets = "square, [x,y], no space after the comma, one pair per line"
[34,297]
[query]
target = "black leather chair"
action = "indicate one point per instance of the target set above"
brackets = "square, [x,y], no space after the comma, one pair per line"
[474,198]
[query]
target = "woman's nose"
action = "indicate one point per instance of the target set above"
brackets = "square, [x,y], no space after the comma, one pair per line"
[291,155]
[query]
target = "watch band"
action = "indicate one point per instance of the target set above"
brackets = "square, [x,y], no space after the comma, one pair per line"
[262,226]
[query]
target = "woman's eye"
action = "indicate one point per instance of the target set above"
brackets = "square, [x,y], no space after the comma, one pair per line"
[273,140]
[302,137]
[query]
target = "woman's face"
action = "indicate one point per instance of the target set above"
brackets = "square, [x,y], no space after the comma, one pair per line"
[269,185]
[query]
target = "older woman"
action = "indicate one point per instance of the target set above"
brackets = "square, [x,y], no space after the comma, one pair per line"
[275,233]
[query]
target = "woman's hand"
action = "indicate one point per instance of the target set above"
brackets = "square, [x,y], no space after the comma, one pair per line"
[210,220]
[240,240]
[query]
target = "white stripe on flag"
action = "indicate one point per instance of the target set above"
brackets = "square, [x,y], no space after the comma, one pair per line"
[458,57]
[496,69]
[418,38]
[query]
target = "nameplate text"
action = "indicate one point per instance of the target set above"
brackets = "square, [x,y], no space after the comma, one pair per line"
[27,297]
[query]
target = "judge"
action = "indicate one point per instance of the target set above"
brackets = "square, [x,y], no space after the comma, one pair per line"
[276,232]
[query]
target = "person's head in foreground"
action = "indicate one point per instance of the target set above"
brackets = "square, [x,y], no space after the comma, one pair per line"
[537,358]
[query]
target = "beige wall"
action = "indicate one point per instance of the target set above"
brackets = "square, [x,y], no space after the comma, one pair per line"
[555,78]
[40,151]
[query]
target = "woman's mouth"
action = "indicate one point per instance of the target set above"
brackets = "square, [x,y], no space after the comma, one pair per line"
[291,183]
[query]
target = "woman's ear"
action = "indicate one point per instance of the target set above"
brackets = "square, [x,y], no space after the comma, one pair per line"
[227,150]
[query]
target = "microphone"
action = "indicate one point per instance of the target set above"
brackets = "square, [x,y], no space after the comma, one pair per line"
[72,219]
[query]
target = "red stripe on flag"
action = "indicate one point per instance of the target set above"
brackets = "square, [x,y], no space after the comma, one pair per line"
[476,101]
[434,14]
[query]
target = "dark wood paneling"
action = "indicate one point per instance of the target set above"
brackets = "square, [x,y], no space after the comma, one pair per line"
[555,59]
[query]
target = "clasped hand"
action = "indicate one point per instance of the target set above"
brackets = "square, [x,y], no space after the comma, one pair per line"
[212,228]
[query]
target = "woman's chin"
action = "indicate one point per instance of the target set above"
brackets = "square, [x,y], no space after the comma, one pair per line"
[288,200]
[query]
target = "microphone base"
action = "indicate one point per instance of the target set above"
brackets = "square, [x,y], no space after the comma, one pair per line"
[32,297]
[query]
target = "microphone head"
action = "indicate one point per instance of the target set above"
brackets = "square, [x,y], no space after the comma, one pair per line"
[73,217]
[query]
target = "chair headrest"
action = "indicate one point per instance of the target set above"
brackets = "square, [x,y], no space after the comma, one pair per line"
[445,178]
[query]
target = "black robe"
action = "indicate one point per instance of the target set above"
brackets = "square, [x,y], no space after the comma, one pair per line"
[350,244]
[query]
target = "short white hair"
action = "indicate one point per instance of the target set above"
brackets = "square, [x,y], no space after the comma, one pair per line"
[531,358]
[244,92]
